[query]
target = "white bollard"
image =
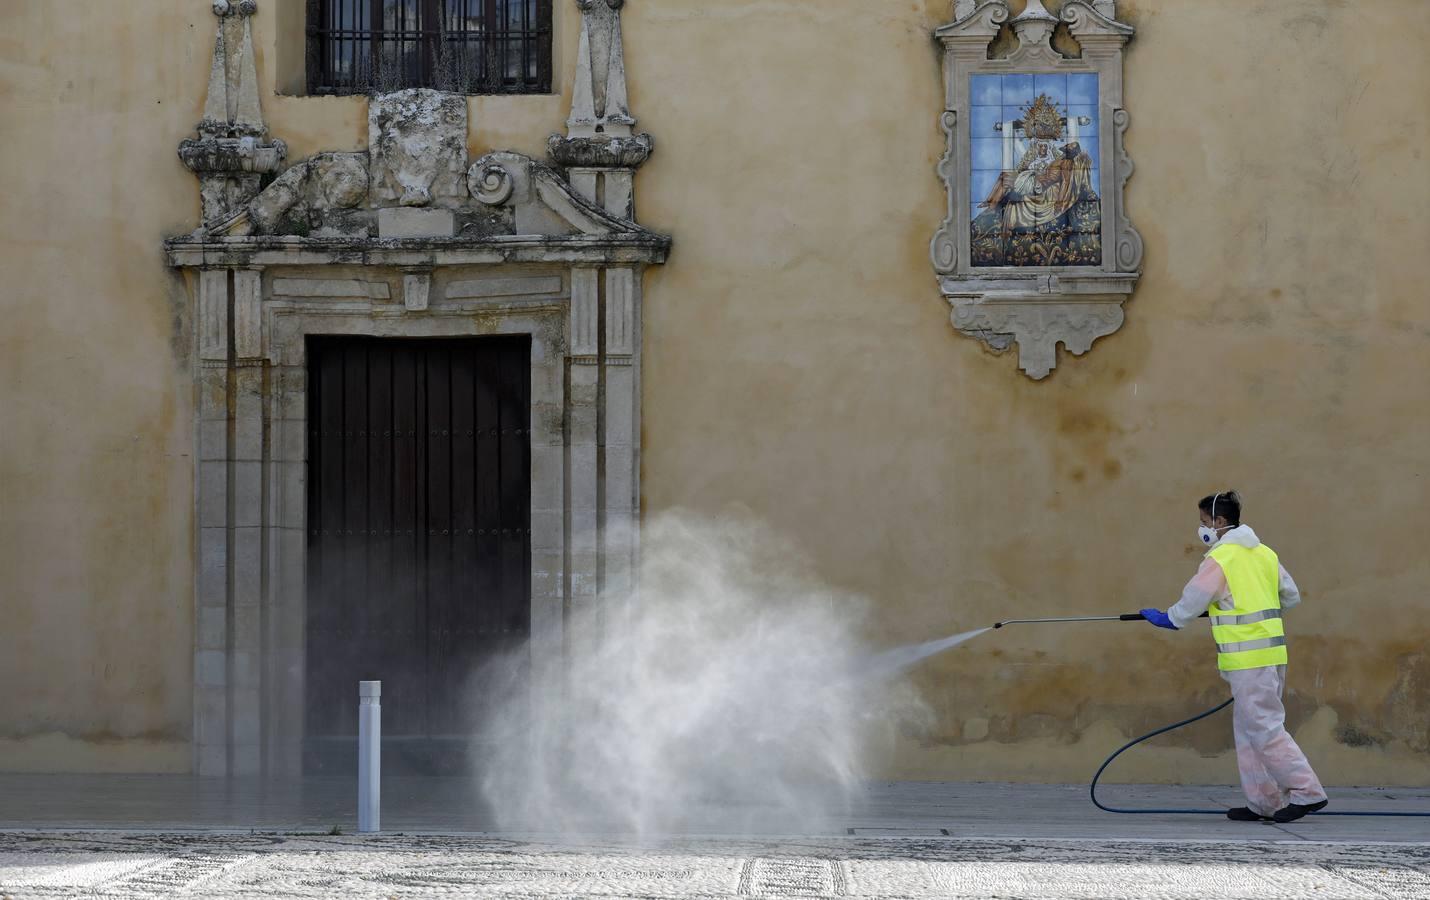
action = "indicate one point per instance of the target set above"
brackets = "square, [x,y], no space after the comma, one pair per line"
[369,756]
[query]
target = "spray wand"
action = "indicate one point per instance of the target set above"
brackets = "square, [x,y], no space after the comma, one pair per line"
[1129,617]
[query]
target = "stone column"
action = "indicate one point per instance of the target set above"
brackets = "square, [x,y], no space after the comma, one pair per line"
[211,706]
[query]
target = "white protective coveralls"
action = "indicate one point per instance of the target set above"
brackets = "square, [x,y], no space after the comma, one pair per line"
[1274,771]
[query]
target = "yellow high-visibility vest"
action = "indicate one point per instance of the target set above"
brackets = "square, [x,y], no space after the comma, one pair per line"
[1252,635]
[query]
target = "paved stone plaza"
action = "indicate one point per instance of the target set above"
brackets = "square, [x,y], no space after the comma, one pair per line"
[124,865]
[143,836]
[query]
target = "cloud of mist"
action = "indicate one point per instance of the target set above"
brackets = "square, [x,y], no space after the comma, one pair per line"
[732,693]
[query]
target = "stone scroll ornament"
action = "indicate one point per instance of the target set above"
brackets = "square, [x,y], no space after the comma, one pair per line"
[1036,248]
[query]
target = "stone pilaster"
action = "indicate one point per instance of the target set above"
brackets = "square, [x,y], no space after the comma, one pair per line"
[620,431]
[211,676]
[581,449]
[284,560]
[247,462]
[228,649]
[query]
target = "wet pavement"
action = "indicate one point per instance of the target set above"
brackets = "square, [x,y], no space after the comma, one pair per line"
[146,836]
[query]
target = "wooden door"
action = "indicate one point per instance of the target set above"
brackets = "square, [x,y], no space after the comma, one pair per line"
[418,541]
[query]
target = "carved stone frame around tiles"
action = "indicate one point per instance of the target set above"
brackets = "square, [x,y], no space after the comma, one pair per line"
[257,302]
[1035,307]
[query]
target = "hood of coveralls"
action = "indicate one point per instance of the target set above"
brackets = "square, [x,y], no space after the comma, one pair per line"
[1242,536]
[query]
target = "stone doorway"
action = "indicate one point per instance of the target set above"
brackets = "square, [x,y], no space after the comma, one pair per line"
[419,543]
[410,240]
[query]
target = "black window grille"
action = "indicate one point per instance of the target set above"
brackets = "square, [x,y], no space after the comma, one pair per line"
[464,46]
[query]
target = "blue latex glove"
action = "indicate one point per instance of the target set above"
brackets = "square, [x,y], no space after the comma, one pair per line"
[1158,618]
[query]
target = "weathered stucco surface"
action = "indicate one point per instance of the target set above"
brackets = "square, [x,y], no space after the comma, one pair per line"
[1279,343]
[799,362]
[94,469]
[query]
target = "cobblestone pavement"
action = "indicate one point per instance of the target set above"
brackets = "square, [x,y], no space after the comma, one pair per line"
[133,865]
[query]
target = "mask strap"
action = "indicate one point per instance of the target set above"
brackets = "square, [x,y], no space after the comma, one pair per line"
[1214,500]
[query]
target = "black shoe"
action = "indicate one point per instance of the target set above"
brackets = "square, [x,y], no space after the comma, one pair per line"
[1294,811]
[1244,814]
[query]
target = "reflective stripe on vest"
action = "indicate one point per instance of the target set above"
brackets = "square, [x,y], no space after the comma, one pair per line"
[1243,646]
[1247,619]
[1251,635]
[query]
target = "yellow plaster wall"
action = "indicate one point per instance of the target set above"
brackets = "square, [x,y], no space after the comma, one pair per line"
[799,362]
[95,470]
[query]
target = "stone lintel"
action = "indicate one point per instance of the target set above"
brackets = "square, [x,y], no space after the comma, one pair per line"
[594,250]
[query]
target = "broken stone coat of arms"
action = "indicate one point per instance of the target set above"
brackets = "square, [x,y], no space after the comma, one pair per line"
[418,143]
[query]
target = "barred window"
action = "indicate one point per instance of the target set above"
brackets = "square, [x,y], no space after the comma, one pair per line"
[464,46]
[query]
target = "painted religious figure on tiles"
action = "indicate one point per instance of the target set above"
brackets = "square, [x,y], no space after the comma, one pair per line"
[1035,195]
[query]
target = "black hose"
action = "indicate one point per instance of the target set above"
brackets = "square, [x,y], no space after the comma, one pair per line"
[1133,743]
[1209,812]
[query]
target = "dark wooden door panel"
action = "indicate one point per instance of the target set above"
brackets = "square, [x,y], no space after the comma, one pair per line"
[419,538]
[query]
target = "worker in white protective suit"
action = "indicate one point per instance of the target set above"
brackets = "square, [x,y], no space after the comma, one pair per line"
[1245,588]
